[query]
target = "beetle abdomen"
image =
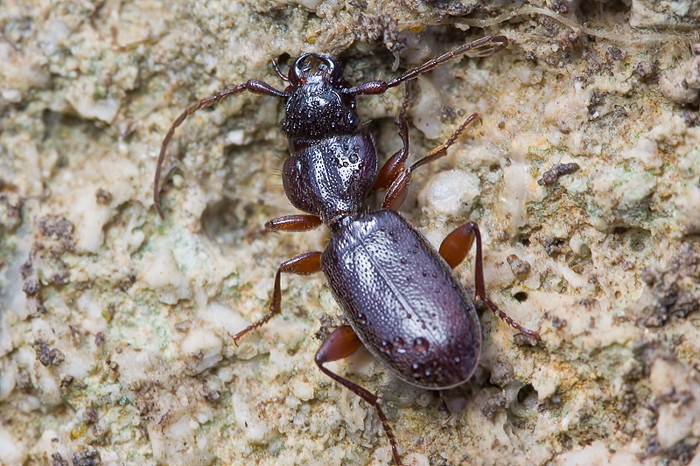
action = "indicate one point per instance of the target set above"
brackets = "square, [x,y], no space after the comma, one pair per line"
[402,299]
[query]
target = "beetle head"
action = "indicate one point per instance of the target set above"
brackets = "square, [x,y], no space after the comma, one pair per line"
[316,107]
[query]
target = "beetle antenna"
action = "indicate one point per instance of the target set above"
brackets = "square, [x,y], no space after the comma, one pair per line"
[253,85]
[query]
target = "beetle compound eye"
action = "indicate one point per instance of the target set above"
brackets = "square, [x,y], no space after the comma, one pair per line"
[352,119]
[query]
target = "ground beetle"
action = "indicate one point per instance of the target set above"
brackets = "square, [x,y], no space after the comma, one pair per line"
[401,297]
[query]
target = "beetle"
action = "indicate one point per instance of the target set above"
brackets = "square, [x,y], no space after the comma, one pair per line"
[400,295]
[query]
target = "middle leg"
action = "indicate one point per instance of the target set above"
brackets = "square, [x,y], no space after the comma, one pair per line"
[396,164]
[398,190]
[303,264]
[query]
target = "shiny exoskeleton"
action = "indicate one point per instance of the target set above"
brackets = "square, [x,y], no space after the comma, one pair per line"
[401,297]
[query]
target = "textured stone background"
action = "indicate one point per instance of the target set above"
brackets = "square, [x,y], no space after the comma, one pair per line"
[114,324]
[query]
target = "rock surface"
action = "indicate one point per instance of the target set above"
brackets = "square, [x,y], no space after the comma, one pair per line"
[115,325]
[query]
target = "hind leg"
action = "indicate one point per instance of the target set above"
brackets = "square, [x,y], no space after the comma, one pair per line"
[339,345]
[454,250]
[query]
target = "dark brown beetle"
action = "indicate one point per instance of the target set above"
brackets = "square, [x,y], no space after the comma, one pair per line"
[402,299]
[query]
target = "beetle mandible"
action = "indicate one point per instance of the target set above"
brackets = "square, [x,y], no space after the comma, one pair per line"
[401,297]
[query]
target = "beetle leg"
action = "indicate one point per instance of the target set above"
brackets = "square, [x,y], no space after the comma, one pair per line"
[457,244]
[303,264]
[454,249]
[294,223]
[339,345]
[393,167]
[287,223]
[397,192]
